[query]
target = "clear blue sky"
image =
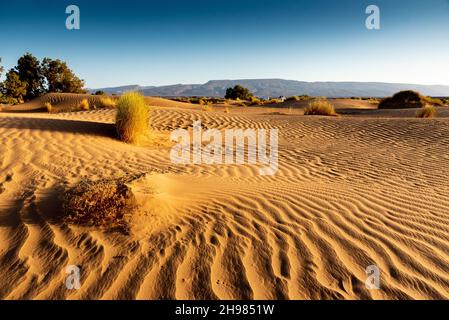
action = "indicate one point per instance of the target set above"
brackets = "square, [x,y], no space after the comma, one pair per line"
[179,41]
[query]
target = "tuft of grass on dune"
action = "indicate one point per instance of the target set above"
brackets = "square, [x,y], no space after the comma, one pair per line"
[427,111]
[132,119]
[84,105]
[107,103]
[207,108]
[320,107]
[48,107]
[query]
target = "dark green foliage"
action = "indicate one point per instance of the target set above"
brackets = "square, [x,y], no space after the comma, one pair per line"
[59,78]
[31,78]
[29,70]
[238,92]
[403,99]
[13,88]
[100,93]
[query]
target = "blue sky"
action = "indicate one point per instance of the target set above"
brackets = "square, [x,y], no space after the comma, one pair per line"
[171,41]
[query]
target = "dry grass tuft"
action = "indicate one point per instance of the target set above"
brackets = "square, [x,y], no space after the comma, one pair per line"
[104,203]
[84,105]
[48,106]
[427,111]
[320,107]
[132,118]
[107,103]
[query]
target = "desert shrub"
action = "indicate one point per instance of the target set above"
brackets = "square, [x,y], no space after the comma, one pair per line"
[320,107]
[226,110]
[104,203]
[298,98]
[207,108]
[84,105]
[100,93]
[293,98]
[408,99]
[132,117]
[273,101]
[238,92]
[107,103]
[48,106]
[254,101]
[427,111]
[434,101]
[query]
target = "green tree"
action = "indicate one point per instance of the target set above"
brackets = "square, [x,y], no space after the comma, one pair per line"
[238,92]
[13,88]
[59,77]
[29,71]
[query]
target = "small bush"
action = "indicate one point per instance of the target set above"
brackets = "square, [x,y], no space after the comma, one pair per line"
[207,108]
[273,101]
[426,112]
[107,103]
[48,106]
[320,107]
[132,117]
[104,203]
[408,99]
[254,101]
[84,105]
[298,98]
[226,110]
[434,101]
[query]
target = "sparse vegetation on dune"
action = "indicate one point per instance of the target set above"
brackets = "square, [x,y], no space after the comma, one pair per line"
[132,119]
[107,103]
[298,98]
[408,99]
[48,107]
[427,111]
[207,108]
[320,107]
[84,105]
[103,203]
[200,100]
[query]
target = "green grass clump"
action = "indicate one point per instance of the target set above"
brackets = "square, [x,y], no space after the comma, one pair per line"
[427,111]
[320,107]
[132,118]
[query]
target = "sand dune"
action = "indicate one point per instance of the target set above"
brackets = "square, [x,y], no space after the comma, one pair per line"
[350,192]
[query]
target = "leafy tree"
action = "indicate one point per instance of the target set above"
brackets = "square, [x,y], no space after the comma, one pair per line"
[13,88]
[29,71]
[59,77]
[1,68]
[100,93]
[238,92]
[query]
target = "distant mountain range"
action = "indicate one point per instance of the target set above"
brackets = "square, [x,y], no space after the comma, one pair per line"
[279,87]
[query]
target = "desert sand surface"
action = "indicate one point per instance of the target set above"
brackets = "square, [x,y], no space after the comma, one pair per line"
[367,188]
